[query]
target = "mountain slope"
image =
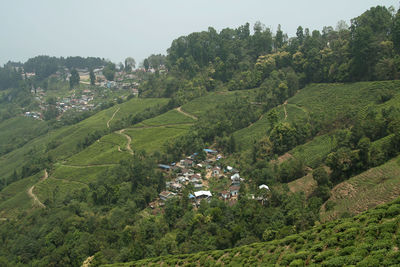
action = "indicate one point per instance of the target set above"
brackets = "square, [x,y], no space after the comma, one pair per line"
[369,239]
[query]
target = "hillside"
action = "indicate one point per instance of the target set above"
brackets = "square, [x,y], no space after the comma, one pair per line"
[76,174]
[369,239]
[364,191]
[238,147]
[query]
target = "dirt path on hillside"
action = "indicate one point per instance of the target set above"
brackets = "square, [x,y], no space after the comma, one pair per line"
[163,125]
[128,145]
[87,262]
[90,165]
[33,196]
[284,108]
[112,117]
[186,114]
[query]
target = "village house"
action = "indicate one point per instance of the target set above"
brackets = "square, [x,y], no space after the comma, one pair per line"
[187,163]
[197,176]
[164,167]
[186,172]
[176,186]
[210,151]
[200,195]
[194,180]
[216,171]
[225,194]
[182,179]
[198,186]
[234,190]
[165,195]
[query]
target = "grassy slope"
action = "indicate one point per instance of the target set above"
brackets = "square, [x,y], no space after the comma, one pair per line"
[68,137]
[14,198]
[314,151]
[245,137]
[153,139]
[105,151]
[331,101]
[202,105]
[366,190]
[170,117]
[369,239]
[13,132]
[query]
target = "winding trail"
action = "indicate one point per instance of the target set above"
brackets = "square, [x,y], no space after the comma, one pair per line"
[91,165]
[162,125]
[284,108]
[87,262]
[112,117]
[186,114]
[128,145]
[33,196]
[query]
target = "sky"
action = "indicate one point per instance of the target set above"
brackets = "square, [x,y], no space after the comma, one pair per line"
[116,29]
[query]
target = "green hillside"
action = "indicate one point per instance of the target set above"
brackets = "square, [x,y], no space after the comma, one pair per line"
[239,147]
[369,239]
[170,117]
[63,143]
[152,139]
[202,105]
[290,113]
[326,103]
[14,133]
[366,190]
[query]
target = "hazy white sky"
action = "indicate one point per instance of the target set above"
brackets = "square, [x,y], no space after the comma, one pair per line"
[116,29]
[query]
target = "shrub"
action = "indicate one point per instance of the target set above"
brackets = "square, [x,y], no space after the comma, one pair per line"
[331,242]
[324,255]
[382,244]
[302,255]
[369,262]
[335,261]
[392,211]
[391,258]
[317,247]
[347,251]
[353,259]
[288,258]
[297,262]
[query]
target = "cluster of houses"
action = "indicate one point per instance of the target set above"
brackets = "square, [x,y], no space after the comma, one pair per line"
[33,114]
[75,102]
[194,175]
[81,103]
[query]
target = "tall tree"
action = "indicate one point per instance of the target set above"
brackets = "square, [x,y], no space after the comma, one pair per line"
[74,79]
[396,32]
[300,34]
[146,64]
[279,37]
[109,71]
[92,77]
[130,64]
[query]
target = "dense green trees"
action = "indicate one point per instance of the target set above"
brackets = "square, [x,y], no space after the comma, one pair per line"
[9,78]
[44,66]
[363,51]
[109,71]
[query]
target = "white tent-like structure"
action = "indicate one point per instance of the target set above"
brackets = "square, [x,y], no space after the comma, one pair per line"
[202,194]
[263,186]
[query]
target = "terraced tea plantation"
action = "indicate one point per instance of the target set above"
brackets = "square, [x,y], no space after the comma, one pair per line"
[369,239]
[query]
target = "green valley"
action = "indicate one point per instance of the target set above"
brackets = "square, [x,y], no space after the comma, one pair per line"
[239,147]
